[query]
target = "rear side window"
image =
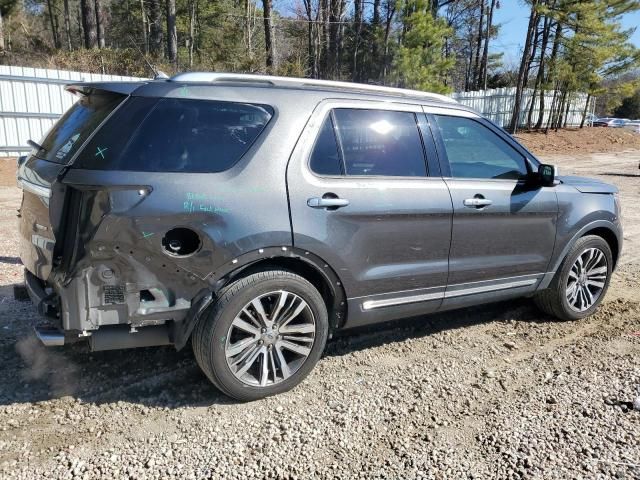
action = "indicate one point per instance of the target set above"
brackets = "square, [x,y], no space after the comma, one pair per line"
[380,142]
[75,126]
[176,135]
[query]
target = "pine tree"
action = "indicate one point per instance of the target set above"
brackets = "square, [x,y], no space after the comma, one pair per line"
[420,61]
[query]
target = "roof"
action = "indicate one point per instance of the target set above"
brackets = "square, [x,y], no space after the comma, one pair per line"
[293,82]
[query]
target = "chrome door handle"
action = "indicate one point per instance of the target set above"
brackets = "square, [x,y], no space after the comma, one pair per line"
[477,202]
[316,202]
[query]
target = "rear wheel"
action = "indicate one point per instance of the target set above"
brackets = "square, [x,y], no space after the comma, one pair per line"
[263,336]
[582,281]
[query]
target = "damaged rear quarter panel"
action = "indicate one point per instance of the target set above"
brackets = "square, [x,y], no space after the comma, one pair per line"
[125,216]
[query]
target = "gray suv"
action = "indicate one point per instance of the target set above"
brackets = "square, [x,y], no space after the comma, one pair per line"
[256,215]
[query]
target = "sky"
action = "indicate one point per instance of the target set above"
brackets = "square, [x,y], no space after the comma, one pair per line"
[513,16]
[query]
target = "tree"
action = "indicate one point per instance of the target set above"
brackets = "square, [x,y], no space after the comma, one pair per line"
[89,26]
[6,7]
[67,24]
[155,28]
[172,35]
[54,26]
[100,23]
[524,66]
[269,36]
[420,61]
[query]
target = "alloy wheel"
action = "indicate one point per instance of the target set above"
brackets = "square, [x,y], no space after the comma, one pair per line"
[270,339]
[587,279]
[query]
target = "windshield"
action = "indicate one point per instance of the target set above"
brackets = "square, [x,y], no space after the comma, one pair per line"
[75,126]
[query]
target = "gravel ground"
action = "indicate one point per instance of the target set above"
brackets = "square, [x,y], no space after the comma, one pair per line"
[494,392]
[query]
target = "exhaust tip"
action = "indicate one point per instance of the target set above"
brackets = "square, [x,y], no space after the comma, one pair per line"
[50,337]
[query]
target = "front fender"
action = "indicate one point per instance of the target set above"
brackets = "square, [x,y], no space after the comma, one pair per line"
[557,260]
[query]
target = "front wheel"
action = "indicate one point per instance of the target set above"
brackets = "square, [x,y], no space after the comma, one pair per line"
[263,336]
[582,281]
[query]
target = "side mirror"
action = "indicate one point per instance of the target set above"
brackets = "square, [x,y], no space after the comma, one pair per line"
[547,175]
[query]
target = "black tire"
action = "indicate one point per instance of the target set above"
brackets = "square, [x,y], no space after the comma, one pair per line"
[209,336]
[553,300]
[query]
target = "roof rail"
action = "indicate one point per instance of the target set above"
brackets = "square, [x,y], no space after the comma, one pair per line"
[305,82]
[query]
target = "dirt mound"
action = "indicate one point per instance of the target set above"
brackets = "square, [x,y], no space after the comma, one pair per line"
[7,172]
[585,140]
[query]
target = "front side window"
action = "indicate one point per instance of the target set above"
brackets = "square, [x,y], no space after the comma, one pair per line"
[475,151]
[176,135]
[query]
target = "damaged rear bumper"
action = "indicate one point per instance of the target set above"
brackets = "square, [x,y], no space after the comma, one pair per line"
[58,332]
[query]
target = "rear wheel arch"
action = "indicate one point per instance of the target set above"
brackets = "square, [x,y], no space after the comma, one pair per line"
[301,262]
[310,267]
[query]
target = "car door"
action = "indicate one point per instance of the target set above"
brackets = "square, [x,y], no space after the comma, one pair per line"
[504,226]
[361,199]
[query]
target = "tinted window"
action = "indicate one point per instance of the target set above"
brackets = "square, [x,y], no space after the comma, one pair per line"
[380,142]
[176,135]
[325,159]
[75,126]
[475,151]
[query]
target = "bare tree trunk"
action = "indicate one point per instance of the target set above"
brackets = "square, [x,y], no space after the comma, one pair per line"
[533,20]
[311,46]
[553,109]
[468,81]
[584,112]
[324,38]
[155,28]
[332,62]
[485,52]
[374,70]
[80,26]
[172,35]
[476,72]
[145,26]
[269,36]
[566,112]
[247,24]
[89,23]
[2,46]
[192,30]
[540,75]
[550,71]
[317,41]
[100,19]
[54,29]
[391,10]
[67,24]
[357,20]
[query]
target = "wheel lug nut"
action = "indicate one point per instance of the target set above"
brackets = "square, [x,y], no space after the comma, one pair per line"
[264,330]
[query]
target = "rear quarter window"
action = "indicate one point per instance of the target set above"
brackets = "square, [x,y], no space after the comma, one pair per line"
[76,125]
[176,135]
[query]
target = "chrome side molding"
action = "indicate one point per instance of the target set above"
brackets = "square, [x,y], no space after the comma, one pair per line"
[371,304]
[390,302]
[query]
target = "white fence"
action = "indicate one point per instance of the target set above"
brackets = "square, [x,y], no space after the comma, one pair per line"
[31,100]
[497,104]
